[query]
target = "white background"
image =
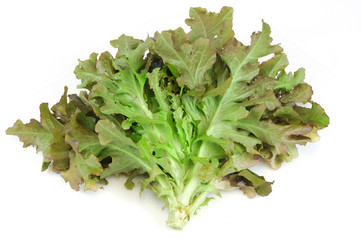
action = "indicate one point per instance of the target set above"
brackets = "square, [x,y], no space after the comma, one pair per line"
[317,196]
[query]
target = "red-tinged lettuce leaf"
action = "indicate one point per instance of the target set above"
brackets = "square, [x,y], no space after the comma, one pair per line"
[126,45]
[61,109]
[273,66]
[192,59]
[130,52]
[33,134]
[217,27]
[287,81]
[221,114]
[59,152]
[267,98]
[49,134]
[314,116]
[253,183]
[288,115]
[275,135]
[79,102]
[86,140]
[240,160]
[38,134]
[94,70]
[237,56]
[83,169]
[301,93]
[47,119]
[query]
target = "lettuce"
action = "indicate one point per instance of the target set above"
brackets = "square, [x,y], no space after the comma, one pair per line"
[190,113]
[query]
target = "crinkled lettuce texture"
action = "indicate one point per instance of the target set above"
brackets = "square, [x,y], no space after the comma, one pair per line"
[189,112]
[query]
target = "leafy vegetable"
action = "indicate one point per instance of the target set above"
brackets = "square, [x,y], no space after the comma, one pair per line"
[191,113]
